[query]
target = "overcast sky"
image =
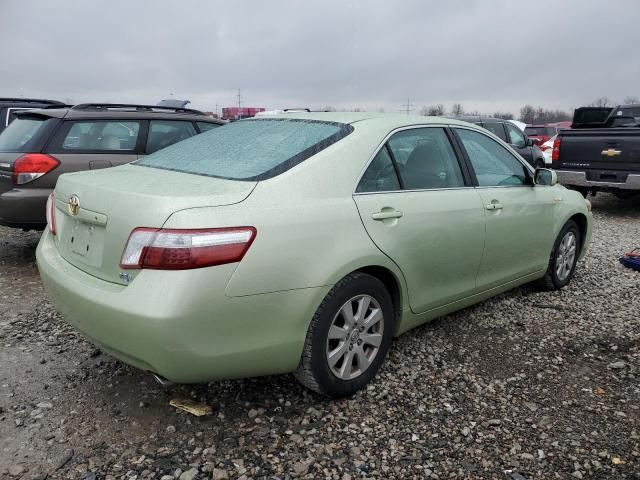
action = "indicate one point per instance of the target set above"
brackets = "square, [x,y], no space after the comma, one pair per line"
[488,55]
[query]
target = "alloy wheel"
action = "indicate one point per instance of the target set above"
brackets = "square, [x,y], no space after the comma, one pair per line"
[566,256]
[355,337]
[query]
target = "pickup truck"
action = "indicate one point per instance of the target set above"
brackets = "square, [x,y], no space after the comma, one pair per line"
[601,152]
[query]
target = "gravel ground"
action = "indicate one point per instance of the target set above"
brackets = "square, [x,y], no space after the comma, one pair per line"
[526,385]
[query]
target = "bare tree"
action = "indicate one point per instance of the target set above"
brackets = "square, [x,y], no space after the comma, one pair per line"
[457,110]
[436,110]
[424,111]
[631,100]
[503,115]
[601,102]
[528,114]
[531,115]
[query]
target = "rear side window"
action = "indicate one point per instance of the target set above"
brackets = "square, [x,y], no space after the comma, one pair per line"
[254,149]
[163,133]
[425,159]
[102,136]
[20,135]
[206,126]
[497,129]
[380,175]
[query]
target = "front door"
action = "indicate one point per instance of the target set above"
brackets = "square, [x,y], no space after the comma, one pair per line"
[519,223]
[421,211]
[518,141]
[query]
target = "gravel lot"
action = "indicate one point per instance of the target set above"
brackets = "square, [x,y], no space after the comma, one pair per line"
[526,385]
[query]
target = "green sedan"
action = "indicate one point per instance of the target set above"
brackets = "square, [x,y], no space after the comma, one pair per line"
[301,243]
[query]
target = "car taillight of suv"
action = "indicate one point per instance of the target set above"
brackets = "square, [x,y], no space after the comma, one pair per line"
[31,166]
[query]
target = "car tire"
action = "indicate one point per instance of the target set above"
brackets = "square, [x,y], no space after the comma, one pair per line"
[563,259]
[337,347]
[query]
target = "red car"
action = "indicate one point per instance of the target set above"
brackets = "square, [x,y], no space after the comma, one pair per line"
[540,133]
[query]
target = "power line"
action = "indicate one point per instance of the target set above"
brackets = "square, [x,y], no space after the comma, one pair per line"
[407,107]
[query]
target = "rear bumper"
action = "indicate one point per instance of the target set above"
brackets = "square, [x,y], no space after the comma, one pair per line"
[24,208]
[180,324]
[579,179]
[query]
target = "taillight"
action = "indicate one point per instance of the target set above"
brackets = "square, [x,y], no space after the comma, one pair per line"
[30,166]
[51,213]
[172,249]
[555,154]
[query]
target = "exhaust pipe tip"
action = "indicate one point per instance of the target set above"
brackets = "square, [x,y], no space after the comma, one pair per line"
[161,380]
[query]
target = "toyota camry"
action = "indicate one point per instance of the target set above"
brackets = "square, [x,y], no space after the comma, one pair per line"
[301,243]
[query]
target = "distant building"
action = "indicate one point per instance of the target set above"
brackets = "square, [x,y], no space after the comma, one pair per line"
[235,113]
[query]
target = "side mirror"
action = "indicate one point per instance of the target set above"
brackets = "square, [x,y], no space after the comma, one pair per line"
[546,177]
[530,142]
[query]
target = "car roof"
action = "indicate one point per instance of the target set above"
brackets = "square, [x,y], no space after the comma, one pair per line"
[28,101]
[478,118]
[121,111]
[392,120]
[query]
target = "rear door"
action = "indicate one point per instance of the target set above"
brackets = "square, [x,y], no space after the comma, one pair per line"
[94,144]
[418,206]
[519,216]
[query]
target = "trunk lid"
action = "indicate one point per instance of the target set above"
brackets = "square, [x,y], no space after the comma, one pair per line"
[598,151]
[114,201]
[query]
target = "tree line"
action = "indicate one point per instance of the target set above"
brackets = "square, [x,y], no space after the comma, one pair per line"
[528,113]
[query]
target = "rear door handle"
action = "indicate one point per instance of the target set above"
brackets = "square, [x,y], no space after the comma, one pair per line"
[386,214]
[494,205]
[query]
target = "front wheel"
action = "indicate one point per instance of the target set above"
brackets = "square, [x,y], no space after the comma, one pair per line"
[348,337]
[564,256]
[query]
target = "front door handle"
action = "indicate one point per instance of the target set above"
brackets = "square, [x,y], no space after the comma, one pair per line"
[386,213]
[494,205]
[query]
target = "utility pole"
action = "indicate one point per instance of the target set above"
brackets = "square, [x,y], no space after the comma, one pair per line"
[239,99]
[407,107]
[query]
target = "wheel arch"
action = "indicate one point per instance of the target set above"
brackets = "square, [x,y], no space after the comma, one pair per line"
[392,284]
[583,227]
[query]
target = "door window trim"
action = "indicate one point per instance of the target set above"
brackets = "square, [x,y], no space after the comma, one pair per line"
[508,147]
[468,179]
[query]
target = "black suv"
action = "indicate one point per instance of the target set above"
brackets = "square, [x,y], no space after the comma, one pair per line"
[40,145]
[510,133]
[9,107]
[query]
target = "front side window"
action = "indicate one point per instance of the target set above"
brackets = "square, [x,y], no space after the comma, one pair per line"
[163,133]
[103,135]
[497,129]
[425,159]
[380,175]
[516,136]
[493,164]
[254,149]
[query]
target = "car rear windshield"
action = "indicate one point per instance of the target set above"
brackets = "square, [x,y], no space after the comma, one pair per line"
[20,135]
[254,149]
[536,131]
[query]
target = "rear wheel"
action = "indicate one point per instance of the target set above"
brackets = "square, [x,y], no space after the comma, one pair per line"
[564,256]
[348,337]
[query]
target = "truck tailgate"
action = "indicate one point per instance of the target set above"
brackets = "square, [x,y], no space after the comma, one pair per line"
[600,150]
